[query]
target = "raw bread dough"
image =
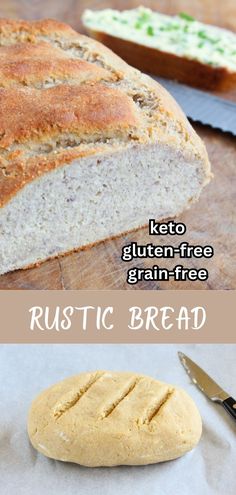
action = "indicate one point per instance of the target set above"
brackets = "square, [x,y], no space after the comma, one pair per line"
[107,418]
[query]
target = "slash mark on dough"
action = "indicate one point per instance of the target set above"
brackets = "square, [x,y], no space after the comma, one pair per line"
[72,397]
[124,393]
[155,410]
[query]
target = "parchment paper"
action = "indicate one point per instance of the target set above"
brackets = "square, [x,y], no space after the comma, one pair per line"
[27,369]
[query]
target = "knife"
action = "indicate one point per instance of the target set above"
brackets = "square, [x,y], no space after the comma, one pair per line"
[207,385]
[201,106]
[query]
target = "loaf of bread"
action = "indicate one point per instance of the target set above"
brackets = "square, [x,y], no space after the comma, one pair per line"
[176,47]
[113,418]
[89,147]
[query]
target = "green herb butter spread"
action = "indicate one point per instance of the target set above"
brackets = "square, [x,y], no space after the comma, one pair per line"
[181,35]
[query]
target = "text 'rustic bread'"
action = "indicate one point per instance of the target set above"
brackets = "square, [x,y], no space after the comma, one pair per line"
[112,418]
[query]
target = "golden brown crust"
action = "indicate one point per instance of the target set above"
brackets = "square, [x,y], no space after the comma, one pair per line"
[31,29]
[40,64]
[97,103]
[87,111]
[168,65]
[57,33]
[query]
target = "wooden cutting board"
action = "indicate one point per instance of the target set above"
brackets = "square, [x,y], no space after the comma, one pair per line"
[211,221]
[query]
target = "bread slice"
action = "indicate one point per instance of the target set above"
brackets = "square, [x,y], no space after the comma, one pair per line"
[108,418]
[89,147]
[175,47]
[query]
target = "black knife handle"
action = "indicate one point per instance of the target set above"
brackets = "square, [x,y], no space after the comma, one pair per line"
[230,406]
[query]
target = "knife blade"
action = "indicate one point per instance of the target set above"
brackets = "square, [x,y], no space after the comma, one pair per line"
[207,385]
[201,106]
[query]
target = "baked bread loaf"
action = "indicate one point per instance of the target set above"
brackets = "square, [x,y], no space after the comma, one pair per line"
[89,147]
[113,418]
[176,47]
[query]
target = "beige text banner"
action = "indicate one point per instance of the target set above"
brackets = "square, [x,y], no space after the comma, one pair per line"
[117,316]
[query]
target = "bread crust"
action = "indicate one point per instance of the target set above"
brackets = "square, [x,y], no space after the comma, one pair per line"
[58,33]
[42,129]
[39,65]
[31,29]
[171,66]
[82,114]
